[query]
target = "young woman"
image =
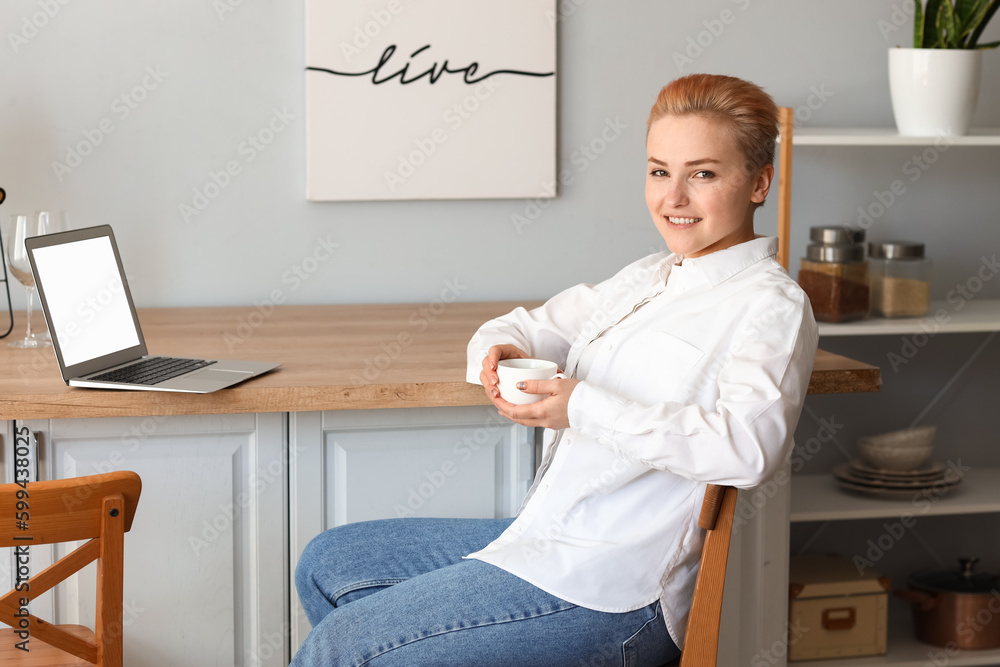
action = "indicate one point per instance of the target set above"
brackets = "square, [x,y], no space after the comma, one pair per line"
[686,368]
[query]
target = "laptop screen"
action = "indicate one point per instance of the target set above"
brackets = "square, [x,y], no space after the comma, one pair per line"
[88,309]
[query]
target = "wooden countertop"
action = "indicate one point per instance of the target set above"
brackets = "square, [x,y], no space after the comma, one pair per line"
[333,358]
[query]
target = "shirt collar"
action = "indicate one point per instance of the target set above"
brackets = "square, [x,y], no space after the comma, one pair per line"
[722,265]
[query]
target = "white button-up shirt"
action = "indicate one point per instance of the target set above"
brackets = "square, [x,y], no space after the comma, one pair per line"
[692,372]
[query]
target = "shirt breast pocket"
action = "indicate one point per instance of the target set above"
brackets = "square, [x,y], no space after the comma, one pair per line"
[654,366]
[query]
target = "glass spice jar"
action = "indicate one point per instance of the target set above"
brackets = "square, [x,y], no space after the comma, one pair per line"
[899,279]
[834,274]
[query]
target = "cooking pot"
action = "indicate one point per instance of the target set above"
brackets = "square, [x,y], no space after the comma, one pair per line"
[955,608]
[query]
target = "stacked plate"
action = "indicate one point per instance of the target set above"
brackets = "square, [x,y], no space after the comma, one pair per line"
[933,476]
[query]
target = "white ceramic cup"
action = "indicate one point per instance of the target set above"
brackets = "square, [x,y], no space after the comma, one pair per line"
[512,371]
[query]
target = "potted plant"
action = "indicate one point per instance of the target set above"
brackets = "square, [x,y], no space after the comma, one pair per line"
[934,86]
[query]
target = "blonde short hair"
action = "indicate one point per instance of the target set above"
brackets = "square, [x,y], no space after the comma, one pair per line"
[749,113]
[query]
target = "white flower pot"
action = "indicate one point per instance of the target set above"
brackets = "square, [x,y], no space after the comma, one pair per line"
[934,91]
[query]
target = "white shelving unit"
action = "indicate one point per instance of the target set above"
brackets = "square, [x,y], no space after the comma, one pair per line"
[980,315]
[818,498]
[887,136]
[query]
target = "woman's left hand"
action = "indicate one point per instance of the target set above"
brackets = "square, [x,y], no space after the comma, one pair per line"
[551,412]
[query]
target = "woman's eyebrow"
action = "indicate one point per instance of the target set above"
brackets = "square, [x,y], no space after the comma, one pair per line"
[692,163]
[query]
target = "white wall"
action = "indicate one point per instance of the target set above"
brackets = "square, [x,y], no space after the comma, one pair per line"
[224,74]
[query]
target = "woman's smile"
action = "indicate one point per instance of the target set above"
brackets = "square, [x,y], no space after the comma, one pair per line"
[683,222]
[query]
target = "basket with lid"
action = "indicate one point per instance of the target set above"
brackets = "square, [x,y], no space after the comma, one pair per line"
[835,611]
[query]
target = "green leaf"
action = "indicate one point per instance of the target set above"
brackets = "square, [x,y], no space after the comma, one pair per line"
[978,30]
[947,28]
[918,24]
[967,8]
[932,36]
[988,45]
[970,14]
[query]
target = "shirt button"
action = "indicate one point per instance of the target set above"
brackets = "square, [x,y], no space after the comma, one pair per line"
[518,529]
[609,346]
[544,486]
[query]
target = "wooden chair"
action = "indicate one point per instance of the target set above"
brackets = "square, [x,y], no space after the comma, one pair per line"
[100,509]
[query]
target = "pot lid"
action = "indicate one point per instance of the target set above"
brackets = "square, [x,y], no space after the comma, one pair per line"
[963,580]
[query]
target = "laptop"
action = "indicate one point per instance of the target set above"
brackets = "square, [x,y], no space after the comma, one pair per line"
[94,328]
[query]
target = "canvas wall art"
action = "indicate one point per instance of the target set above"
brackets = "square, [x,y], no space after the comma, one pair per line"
[451,99]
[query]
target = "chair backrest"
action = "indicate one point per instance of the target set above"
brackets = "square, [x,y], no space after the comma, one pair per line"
[99,508]
[701,642]
[786,119]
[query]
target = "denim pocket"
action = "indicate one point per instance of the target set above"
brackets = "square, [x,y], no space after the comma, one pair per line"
[651,645]
[359,589]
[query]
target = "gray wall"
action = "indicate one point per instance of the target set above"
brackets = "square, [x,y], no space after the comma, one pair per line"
[222,77]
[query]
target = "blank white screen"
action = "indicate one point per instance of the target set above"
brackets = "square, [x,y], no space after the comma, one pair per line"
[86,299]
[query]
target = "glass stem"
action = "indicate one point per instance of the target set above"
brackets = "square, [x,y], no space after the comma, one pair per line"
[31,305]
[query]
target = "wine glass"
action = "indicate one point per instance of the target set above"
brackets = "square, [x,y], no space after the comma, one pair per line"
[49,222]
[22,227]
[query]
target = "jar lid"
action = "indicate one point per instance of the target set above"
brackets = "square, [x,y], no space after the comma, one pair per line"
[963,580]
[896,250]
[837,235]
[839,254]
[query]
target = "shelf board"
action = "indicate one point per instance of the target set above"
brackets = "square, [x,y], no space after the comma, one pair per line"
[819,498]
[905,651]
[888,136]
[943,317]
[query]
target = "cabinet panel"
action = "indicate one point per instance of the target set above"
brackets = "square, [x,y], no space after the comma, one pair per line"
[7,566]
[205,567]
[360,465]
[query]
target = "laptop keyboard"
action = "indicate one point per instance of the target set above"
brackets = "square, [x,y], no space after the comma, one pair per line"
[152,370]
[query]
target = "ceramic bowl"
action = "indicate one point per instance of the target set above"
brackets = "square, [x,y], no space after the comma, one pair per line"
[907,449]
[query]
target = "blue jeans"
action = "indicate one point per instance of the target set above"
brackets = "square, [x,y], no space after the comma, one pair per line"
[396,593]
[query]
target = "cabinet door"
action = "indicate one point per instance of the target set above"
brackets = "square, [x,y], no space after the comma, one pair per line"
[755,602]
[205,563]
[358,465]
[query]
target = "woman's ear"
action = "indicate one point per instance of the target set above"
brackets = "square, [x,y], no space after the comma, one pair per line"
[762,184]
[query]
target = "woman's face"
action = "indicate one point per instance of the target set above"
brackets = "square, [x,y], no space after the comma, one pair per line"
[698,188]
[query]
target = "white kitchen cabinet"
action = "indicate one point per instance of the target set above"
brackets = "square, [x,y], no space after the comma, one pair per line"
[357,465]
[205,562]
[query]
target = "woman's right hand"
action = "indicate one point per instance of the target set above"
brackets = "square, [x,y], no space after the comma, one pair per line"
[488,377]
